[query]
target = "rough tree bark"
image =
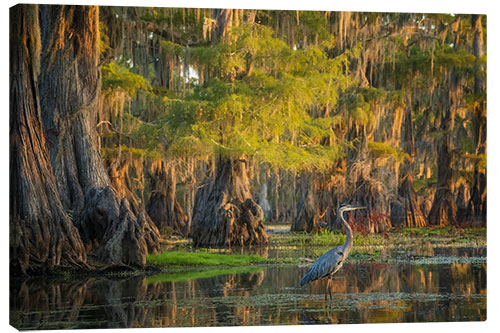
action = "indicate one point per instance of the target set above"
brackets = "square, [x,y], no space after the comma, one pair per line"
[305,220]
[42,235]
[163,207]
[364,189]
[476,209]
[224,211]
[444,208]
[70,87]
[406,211]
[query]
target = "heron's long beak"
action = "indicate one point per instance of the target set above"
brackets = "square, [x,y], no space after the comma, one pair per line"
[360,207]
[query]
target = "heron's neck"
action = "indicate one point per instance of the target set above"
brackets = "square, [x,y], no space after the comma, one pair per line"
[348,236]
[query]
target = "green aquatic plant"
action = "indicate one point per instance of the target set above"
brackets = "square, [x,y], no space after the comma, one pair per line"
[177,258]
[375,246]
[321,238]
[446,231]
[328,238]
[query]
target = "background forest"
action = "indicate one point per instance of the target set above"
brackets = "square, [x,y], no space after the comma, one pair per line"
[211,123]
[323,107]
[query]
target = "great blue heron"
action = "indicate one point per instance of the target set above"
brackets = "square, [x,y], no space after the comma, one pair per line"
[330,262]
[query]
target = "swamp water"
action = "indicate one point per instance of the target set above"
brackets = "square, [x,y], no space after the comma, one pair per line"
[449,285]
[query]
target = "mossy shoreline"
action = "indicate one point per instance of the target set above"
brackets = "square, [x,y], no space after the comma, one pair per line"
[181,259]
[202,258]
[183,264]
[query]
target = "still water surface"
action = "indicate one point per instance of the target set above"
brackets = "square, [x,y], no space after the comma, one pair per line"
[450,285]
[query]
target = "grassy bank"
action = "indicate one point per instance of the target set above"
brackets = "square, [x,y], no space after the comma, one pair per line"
[177,258]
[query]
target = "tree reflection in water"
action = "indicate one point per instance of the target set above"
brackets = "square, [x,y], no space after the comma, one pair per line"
[404,291]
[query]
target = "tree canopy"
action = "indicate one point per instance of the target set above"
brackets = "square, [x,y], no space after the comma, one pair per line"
[297,91]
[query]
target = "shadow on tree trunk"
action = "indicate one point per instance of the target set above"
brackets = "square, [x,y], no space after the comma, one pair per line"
[224,211]
[42,236]
[74,186]
[163,207]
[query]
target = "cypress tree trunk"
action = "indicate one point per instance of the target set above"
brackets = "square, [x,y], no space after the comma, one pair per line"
[364,189]
[444,208]
[42,235]
[476,209]
[263,202]
[163,207]
[70,87]
[224,211]
[407,212]
[118,171]
[305,220]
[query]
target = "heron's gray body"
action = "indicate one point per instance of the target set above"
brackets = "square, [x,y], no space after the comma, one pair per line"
[328,264]
[331,261]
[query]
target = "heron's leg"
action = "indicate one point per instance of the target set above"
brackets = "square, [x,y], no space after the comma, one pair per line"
[327,287]
[330,287]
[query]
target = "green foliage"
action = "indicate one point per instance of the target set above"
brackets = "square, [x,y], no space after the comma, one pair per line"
[419,185]
[134,153]
[423,61]
[104,45]
[289,96]
[384,150]
[447,231]
[359,110]
[171,49]
[260,102]
[329,238]
[373,95]
[448,56]
[477,160]
[312,25]
[188,24]
[360,103]
[321,238]
[115,77]
[398,98]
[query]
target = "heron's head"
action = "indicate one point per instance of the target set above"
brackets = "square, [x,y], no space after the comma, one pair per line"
[347,208]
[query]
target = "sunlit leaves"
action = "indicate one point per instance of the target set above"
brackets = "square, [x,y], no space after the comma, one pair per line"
[171,49]
[266,101]
[429,62]
[115,77]
[384,150]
